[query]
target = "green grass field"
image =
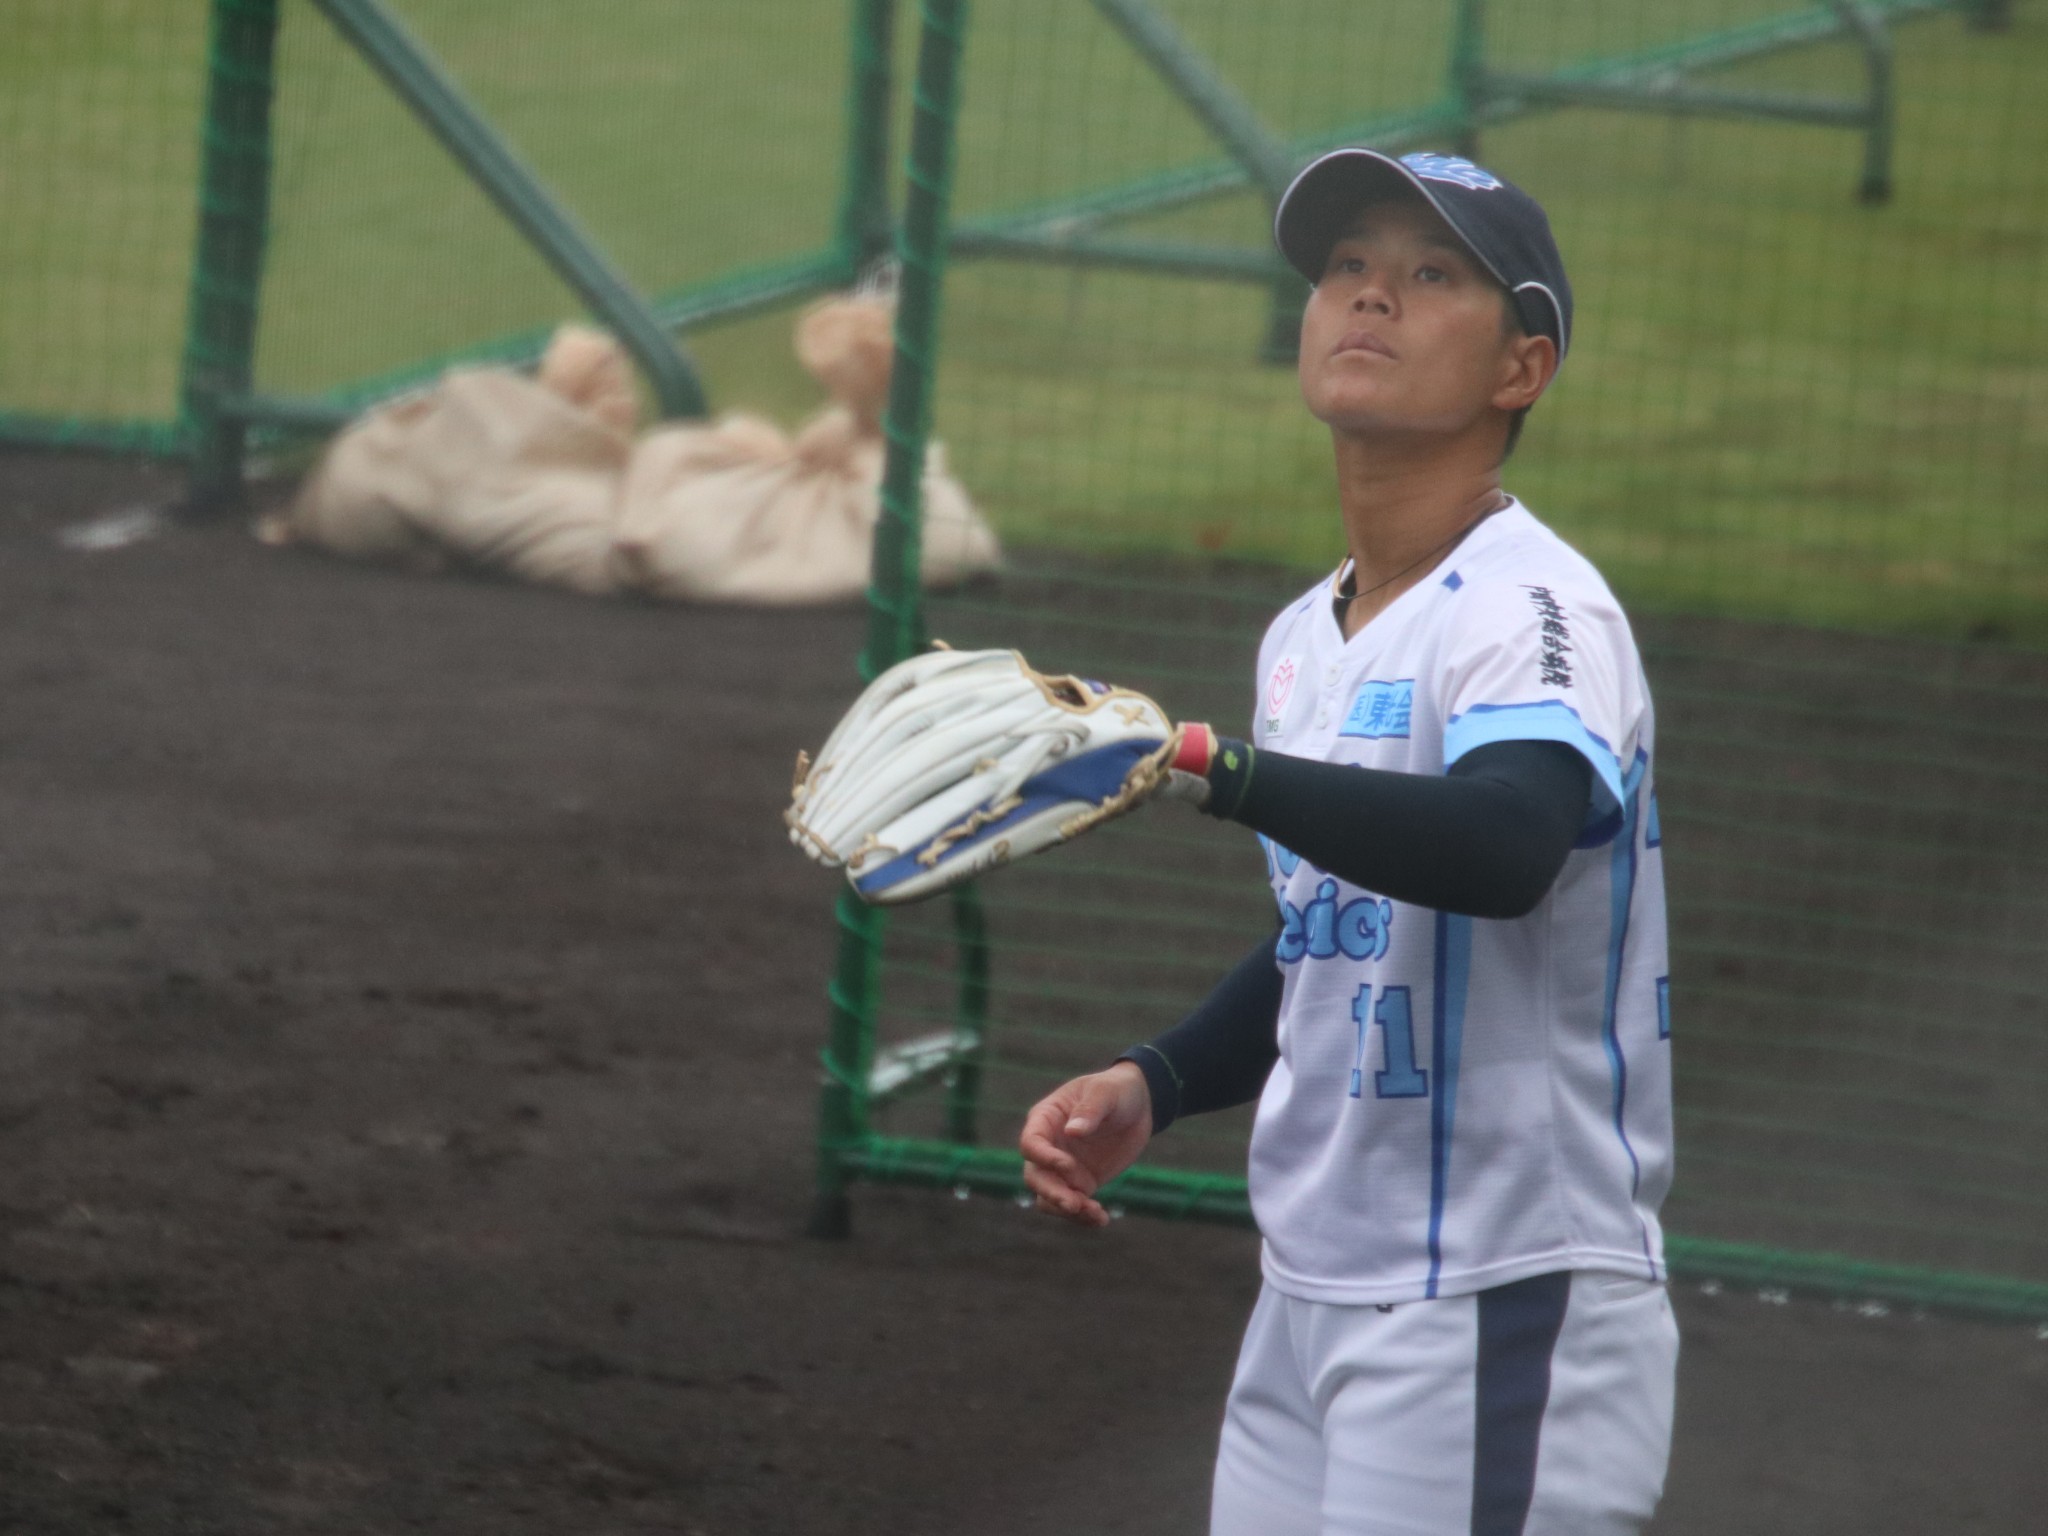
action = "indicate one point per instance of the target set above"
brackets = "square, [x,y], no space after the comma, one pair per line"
[1780,403]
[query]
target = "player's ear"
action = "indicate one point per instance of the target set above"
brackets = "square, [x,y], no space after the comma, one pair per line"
[1527,365]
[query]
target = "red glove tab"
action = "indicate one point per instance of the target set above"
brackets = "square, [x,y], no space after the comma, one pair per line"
[1197,749]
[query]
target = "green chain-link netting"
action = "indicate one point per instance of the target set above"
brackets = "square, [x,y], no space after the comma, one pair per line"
[1805,435]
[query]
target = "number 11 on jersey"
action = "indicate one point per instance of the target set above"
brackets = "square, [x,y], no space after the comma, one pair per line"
[1401,1078]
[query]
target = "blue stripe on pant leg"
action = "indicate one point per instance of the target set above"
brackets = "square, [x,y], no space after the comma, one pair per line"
[1518,1328]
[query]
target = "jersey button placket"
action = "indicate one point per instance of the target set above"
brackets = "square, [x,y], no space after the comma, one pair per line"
[1332,676]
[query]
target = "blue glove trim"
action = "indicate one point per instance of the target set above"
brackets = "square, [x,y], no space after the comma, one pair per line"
[1081,781]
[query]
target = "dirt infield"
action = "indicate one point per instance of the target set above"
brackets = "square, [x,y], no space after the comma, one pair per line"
[408,1011]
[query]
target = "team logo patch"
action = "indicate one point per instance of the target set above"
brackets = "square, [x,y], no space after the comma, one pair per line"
[1279,689]
[1451,168]
[1380,710]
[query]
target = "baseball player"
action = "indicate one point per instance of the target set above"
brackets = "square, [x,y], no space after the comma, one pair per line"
[1457,1036]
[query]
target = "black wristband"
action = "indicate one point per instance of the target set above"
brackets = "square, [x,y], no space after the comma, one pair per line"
[1161,1081]
[1230,776]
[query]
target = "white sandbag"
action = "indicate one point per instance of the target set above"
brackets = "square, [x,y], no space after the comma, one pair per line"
[529,482]
[728,513]
[848,345]
[539,477]
[590,369]
[487,467]
[739,512]
[362,499]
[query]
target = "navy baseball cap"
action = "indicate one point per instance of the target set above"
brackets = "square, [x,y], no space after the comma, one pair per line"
[1503,226]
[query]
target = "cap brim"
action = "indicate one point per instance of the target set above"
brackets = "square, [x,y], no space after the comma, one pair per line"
[1313,210]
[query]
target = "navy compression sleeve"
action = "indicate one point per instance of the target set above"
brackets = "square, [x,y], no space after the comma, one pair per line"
[1218,1055]
[1488,839]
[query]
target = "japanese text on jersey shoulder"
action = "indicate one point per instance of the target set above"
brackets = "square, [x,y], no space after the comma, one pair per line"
[1553,668]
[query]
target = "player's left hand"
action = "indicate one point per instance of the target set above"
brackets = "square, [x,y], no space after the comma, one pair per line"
[1080,1136]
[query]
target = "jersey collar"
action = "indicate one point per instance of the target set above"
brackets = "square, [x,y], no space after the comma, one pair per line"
[1474,537]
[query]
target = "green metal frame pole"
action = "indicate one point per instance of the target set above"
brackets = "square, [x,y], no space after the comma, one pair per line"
[866,230]
[1468,64]
[970,1021]
[1222,1198]
[895,612]
[1264,155]
[854,994]
[420,82]
[1869,31]
[1172,258]
[227,264]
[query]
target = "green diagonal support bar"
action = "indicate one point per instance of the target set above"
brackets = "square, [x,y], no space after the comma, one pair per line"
[1266,157]
[1227,115]
[420,82]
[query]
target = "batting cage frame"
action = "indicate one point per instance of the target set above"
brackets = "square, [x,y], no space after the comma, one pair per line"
[1119,224]
[220,406]
[860,1076]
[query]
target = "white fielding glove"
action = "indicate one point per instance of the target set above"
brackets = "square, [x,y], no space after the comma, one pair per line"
[957,762]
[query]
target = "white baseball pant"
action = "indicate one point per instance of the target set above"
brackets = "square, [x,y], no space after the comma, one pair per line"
[1538,1408]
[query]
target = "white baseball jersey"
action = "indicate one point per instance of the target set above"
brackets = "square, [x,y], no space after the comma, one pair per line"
[1463,1102]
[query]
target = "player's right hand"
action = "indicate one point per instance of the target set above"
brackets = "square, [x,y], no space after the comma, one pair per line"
[1080,1136]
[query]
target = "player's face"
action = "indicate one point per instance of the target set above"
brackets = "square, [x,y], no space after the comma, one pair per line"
[1405,332]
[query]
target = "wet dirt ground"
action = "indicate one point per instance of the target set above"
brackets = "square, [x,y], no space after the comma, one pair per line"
[408,1024]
